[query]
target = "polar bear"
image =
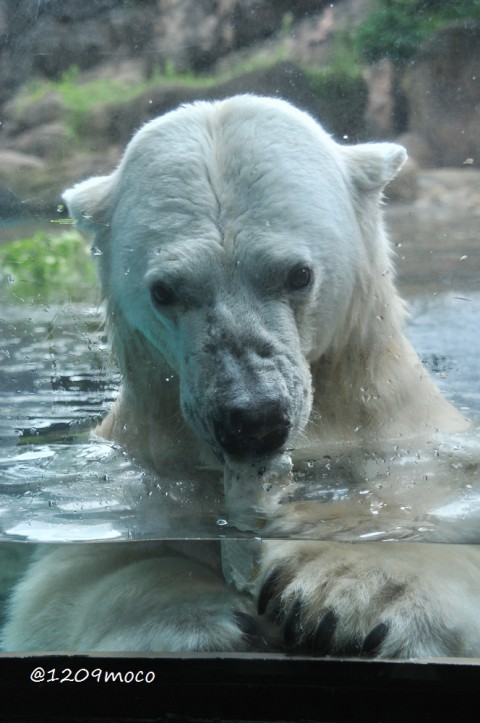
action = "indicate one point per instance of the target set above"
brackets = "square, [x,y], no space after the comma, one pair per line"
[252,309]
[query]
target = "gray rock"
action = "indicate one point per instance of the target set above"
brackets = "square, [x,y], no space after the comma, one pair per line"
[19,175]
[443,92]
[47,37]
[109,126]
[47,141]
[115,123]
[21,114]
[196,33]
[14,162]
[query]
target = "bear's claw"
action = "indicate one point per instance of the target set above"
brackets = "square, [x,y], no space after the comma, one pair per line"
[250,630]
[292,628]
[267,590]
[321,638]
[374,639]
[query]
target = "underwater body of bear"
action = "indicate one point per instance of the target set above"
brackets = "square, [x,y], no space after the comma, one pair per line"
[252,309]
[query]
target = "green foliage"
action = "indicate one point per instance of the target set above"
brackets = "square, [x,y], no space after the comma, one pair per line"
[345,59]
[47,268]
[342,96]
[397,28]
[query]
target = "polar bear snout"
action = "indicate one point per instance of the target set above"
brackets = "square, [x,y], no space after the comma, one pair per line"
[244,431]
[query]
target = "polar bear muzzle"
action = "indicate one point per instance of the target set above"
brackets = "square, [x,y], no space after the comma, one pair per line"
[251,428]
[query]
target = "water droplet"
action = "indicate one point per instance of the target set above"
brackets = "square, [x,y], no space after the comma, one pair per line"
[221,522]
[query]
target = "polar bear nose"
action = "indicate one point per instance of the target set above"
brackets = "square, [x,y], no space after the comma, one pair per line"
[244,431]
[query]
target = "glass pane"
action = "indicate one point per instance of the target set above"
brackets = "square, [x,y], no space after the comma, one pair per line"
[265,392]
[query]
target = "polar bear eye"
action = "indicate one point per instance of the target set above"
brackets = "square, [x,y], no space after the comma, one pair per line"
[161,294]
[299,278]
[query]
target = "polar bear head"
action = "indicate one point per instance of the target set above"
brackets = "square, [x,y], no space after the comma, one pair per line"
[233,240]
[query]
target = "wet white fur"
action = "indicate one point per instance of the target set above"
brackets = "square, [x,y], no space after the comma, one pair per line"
[219,200]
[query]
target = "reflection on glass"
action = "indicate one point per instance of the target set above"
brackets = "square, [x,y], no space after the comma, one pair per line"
[239,550]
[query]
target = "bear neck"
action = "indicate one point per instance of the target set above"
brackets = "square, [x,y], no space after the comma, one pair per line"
[372,386]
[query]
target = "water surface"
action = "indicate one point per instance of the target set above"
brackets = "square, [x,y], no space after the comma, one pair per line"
[60,484]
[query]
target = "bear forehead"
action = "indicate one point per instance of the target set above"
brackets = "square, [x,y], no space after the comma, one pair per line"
[207,173]
[235,146]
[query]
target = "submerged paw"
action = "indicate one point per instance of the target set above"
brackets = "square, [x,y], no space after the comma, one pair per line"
[321,632]
[250,632]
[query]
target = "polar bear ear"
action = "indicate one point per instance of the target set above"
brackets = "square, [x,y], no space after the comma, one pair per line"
[373,165]
[89,202]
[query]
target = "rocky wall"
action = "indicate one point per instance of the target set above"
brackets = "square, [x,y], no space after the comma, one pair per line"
[434,102]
